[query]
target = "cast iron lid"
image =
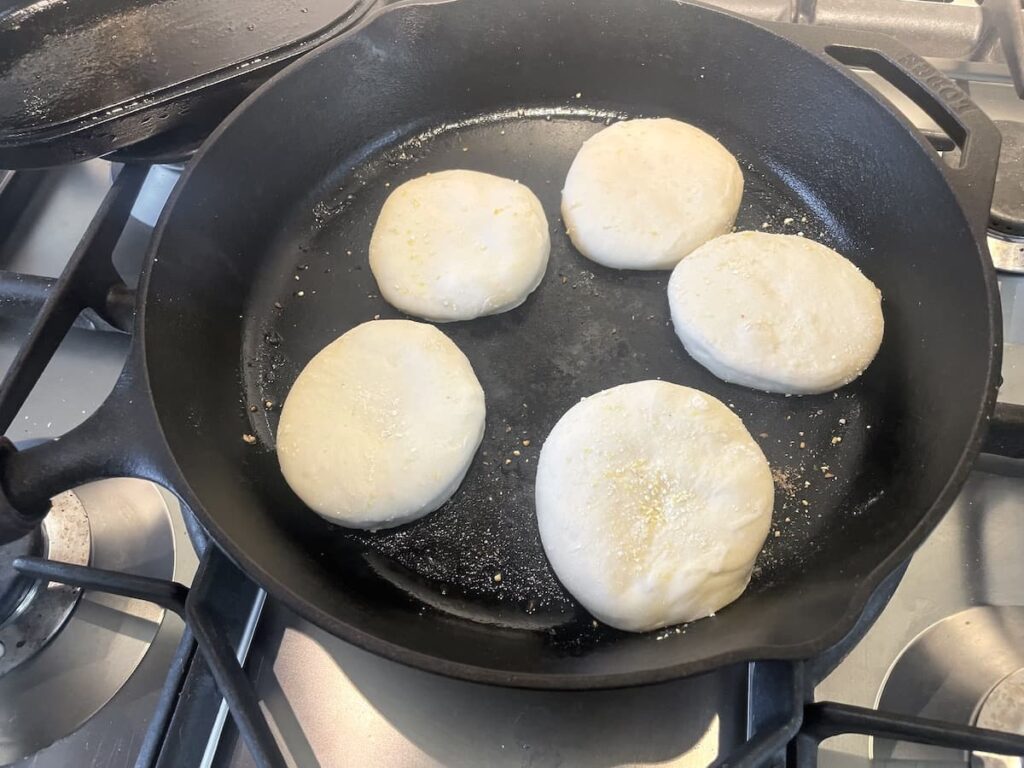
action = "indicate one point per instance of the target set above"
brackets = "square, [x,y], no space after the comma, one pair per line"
[86,78]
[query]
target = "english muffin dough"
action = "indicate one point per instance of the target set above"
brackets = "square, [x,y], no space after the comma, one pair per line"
[381,426]
[653,502]
[778,313]
[457,245]
[642,194]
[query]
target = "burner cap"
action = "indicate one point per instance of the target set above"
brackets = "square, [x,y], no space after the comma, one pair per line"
[14,586]
[1007,215]
[1002,710]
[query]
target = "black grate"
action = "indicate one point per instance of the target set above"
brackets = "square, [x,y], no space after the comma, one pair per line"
[786,726]
[213,609]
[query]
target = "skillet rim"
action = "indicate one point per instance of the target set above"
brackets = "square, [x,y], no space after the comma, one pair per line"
[859,598]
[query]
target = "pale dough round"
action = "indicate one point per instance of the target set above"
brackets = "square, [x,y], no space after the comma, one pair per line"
[778,313]
[653,502]
[381,425]
[457,245]
[642,194]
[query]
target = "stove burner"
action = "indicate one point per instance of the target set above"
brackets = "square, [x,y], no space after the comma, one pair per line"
[42,610]
[1006,222]
[1003,709]
[77,661]
[14,586]
[967,668]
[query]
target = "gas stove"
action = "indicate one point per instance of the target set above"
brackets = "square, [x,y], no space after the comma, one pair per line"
[109,675]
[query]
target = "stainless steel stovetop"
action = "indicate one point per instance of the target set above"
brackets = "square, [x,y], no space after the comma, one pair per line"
[953,631]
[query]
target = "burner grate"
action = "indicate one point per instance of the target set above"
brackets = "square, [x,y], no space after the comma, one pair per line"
[786,727]
[208,629]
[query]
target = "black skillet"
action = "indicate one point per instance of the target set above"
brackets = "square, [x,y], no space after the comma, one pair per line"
[260,260]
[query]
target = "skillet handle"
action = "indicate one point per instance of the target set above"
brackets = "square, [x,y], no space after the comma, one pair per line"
[940,98]
[967,127]
[1005,432]
[123,436]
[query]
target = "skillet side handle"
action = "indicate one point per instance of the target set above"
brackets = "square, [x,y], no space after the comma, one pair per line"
[123,436]
[1005,432]
[968,127]
[121,439]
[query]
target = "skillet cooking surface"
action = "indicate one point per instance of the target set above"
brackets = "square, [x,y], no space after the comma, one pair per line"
[586,328]
[291,187]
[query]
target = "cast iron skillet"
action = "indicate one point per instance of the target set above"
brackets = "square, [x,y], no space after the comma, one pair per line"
[289,187]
